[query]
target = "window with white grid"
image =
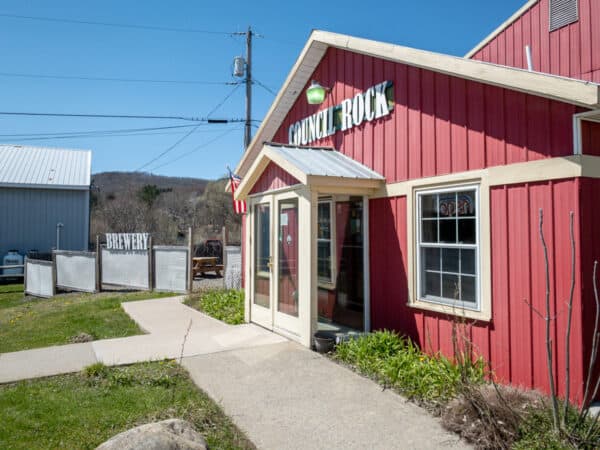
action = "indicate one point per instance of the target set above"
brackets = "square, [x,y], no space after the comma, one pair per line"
[448,246]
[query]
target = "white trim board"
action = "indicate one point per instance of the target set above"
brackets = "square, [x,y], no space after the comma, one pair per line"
[527,172]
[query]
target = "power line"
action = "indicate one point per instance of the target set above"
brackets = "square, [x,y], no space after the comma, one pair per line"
[96,136]
[195,149]
[179,141]
[120,116]
[117,79]
[191,131]
[122,130]
[266,88]
[116,25]
[224,100]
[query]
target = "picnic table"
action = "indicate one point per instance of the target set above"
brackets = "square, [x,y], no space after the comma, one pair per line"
[203,264]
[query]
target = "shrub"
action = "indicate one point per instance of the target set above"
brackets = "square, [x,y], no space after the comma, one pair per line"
[222,304]
[397,362]
[536,431]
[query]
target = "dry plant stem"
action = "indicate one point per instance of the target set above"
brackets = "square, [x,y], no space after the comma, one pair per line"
[593,355]
[569,316]
[596,338]
[555,407]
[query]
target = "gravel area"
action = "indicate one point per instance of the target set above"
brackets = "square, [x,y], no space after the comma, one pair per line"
[208,282]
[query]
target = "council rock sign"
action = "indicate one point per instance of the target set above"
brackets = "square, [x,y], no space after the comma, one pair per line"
[372,104]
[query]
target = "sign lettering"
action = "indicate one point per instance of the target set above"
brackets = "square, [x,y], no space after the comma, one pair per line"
[374,103]
[127,241]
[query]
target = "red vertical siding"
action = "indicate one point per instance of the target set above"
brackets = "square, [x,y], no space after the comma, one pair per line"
[590,252]
[389,287]
[274,177]
[572,51]
[458,126]
[514,340]
[439,124]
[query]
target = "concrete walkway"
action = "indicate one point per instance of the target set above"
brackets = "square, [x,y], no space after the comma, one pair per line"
[165,320]
[287,397]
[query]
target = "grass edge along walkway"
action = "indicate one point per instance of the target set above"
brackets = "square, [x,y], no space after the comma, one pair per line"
[28,322]
[82,410]
[226,305]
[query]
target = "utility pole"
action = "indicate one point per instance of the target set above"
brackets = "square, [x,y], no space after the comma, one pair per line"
[239,71]
[248,127]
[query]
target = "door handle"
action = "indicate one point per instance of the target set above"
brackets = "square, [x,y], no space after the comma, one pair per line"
[270,263]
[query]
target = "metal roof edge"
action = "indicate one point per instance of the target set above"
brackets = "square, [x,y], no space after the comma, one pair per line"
[56,187]
[568,90]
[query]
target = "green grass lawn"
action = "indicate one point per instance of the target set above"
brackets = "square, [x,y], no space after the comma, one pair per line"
[80,411]
[28,322]
[223,304]
[10,295]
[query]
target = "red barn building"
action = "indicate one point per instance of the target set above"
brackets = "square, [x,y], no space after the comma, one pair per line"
[410,196]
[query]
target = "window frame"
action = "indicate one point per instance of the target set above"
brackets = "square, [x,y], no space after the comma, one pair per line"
[419,193]
[324,282]
[259,238]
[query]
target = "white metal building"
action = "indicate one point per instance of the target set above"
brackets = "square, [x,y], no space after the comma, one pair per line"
[42,190]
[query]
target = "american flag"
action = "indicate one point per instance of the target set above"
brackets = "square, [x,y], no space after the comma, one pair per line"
[239,206]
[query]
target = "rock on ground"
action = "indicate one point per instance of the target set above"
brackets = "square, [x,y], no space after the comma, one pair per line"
[171,434]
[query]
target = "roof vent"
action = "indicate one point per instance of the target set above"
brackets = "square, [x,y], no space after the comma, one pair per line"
[563,12]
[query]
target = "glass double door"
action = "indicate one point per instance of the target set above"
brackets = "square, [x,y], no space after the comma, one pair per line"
[275,290]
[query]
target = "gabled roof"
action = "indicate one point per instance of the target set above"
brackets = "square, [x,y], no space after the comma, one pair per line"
[508,22]
[314,166]
[567,90]
[41,167]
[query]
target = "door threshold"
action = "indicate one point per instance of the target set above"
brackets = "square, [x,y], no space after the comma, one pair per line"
[286,334]
[262,326]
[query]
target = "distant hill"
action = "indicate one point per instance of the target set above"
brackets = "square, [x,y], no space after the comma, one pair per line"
[128,202]
[115,182]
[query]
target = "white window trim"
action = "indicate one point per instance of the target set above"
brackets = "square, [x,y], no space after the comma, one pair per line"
[322,282]
[442,300]
[451,182]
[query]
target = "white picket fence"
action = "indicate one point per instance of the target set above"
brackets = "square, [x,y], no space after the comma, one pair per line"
[233,267]
[76,271]
[39,278]
[126,268]
[171,268]
[163,268]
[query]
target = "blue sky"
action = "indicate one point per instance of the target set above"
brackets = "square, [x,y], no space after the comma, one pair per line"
[64,49]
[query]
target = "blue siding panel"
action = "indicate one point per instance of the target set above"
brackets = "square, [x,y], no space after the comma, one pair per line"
[28,219]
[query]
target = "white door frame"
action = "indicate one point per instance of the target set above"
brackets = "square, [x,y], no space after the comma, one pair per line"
[259,314]
[285,323]
[297,328]
[300,329]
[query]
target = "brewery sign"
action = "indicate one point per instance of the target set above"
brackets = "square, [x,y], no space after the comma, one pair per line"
[127,241]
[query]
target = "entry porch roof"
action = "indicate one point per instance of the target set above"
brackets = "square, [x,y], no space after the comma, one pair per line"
[317,167]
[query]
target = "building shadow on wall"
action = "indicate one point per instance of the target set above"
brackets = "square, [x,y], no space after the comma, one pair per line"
[388,280]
